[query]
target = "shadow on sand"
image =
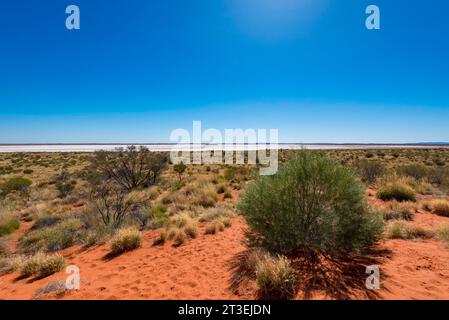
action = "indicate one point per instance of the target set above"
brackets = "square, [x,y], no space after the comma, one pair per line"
[342,279]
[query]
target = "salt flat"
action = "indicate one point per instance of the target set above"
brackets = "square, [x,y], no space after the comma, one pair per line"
[8,148]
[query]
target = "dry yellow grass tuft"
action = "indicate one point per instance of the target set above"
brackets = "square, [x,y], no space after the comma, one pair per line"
[440,207]
[126,240]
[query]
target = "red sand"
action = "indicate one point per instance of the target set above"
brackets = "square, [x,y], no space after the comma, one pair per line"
[200,269]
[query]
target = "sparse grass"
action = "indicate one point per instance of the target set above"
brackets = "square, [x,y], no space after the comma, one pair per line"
[443,233]
[178,236]
[4,248]
[396,190]
[42,265]
[440,207]
[11,263]
[191,230]
[126,240]
[215,227]
[57,287]
[57,237]
[400,210]
[276,278]
[404,230]
[163,236]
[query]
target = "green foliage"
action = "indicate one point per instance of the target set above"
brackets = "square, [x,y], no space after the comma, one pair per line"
[57,237]
[180,168]
[18,184]
[130,168]
[9,227]
[312,204]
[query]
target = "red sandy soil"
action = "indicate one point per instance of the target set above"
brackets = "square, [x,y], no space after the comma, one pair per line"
[200,269]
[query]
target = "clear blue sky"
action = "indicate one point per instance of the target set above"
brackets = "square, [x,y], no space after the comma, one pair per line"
[138,69]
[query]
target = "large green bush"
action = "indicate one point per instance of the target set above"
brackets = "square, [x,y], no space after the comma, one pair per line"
[311,205]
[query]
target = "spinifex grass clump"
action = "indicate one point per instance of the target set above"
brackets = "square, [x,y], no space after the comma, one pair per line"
[311,205]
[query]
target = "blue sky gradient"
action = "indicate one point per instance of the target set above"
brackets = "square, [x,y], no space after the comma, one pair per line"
[139,69]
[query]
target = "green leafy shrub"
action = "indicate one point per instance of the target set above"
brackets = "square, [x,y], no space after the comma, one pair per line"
[312,204]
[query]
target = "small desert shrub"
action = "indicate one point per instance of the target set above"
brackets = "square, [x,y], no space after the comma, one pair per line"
[368,170]
[4,248]
[404,230]
[312,204]
[227,195]
[229,173]
[221,189]
[191,230]
[215,227]
[57,237]
[28,171]
[182,219]
[416,171]
[42,265]
[45,222]
[163,236]
[158,216]
[276,278]
[111,203]
[18,184]
[400,210]
[57,287]
[11,263]
[9,227]
[440,207]
[178,236]
[130,168]
[126,240]
[225,220]
[443,233]
[396,190]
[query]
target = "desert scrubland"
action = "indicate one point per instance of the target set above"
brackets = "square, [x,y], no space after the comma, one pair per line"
[139,227]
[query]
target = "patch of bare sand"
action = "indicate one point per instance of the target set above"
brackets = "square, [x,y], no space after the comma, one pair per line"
[200,269]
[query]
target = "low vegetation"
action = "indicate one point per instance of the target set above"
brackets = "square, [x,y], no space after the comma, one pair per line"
[312,205]
[396,190]
[126,240]
[405,230]
[42,265]
[276,278]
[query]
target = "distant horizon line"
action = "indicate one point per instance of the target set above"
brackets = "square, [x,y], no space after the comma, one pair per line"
[205,143]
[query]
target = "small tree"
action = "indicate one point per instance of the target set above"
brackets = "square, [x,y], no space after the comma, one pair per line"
[369,170]
[64,184]
[180,168]
[130,168]
[111,202]
[312,205]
